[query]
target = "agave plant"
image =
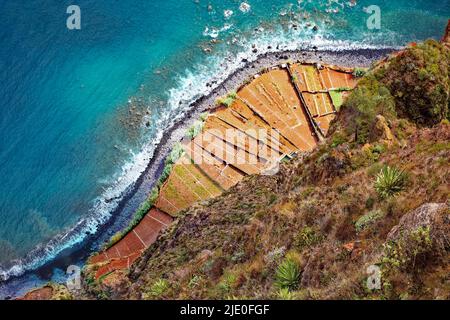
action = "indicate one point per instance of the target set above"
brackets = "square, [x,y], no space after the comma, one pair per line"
[157,289]
[287,275]
[285,294]
[390,181]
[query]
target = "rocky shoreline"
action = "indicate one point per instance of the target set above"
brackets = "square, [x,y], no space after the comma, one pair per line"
[344,58]
[347,58]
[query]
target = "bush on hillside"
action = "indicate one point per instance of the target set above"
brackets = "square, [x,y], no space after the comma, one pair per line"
[415,85]
[419,81]
[368,100]
[228,100]
[367,220]
[157,289]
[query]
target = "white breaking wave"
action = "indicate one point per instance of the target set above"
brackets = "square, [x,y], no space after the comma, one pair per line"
[190,86]
[214,32]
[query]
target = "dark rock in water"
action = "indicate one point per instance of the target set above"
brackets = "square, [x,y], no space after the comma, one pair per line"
[255,50]
[315,48]
[244,60]
[269,47]
[315,28]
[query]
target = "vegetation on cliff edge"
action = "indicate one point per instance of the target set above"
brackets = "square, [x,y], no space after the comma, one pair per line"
[312,230]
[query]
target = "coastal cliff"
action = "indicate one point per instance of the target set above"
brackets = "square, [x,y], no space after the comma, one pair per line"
[372,195]
[446,38]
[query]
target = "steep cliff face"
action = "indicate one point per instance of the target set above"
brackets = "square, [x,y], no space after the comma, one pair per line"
[324,231]
[446,38]
[372,198]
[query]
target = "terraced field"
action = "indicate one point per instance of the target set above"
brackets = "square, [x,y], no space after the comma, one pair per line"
[282,111]
[323,89]
[129,248]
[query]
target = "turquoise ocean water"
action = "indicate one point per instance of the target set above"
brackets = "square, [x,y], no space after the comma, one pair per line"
[82,110]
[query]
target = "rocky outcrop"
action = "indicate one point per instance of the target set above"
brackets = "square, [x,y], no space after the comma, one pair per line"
[51,291]
[446,38]
[382,132]
[433,216]
[421,239]
[44,293]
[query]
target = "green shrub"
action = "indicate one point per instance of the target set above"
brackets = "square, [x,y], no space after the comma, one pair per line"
[176,153]
[342,89]
[157,289]
[195,129]
[227,283]
[359,72]
[370,203]
[306,238]
[228,100]
[375,151]
[407,252]
[114,239]
[287,275]
[165,173]
[140,213]
[369,99]
[390,181]
[285,294]
[367,220]
[374,169]
[195,281]
[337,140]
[419,81]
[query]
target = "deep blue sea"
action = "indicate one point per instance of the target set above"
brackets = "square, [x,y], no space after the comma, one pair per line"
[82,110]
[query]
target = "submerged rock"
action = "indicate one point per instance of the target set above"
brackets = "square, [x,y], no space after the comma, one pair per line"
[244,7]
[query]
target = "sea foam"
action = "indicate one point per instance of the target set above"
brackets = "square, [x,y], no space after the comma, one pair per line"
[190,86]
